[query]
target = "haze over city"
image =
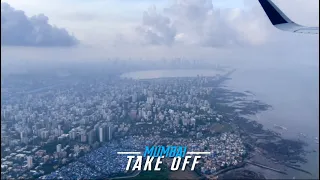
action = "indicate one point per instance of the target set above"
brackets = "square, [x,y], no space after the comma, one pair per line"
[82,80]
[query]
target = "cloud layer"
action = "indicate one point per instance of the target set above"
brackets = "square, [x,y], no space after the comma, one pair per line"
[197,22]
[19,30]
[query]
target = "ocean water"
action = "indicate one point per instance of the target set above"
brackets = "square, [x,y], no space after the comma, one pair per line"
[293,95]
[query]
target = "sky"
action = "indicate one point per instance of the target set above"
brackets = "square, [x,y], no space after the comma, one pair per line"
[233,31]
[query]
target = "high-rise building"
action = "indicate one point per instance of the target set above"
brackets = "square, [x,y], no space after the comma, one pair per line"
[193,121]
[126,105]
[109,132]
[59,148]
[44,134]
[23,134]
[91,136]
[101,134]
[83,138]
[150,100]
[134,97]
[72,134]
[29,162]
[96,127]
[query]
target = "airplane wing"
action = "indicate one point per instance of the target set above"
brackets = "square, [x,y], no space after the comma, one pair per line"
[282,22]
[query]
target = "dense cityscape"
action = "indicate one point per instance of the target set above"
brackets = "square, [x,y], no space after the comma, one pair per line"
[93,120]
[62,128]
[139,90]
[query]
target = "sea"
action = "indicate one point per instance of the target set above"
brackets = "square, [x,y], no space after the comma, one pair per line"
[292,93]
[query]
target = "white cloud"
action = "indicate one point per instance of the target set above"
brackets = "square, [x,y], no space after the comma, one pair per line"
[194,30]
[93,22]
[19,30]
[98,22]
[200,22]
